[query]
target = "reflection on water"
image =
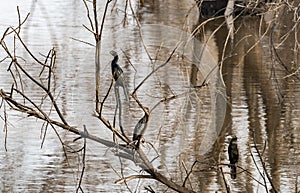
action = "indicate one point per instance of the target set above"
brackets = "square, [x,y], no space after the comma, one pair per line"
[262,102]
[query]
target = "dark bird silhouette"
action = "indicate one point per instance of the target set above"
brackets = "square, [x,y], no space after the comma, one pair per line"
[117,73]
[233,151]
[115,68]
[140,127]
[233,154]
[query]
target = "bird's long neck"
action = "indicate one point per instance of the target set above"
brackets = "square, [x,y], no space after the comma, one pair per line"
[115,60]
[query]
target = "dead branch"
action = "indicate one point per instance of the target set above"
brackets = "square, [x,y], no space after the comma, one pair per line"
[155,70]
[98,36]
[83,161]
[120,181]
[242,171]
[5,124]
[259,171]
[46,90]
[226,181]
[189,173]
[264,166]
[277,57]
[137,155]
[28,107]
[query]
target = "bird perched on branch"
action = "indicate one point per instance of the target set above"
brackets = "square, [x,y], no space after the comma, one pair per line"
[233,155]
[233,151]
[117,73]
[140,127]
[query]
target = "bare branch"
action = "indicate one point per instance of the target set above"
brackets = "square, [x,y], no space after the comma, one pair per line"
[155,70]
[88,14]
[83,161]
[45,89]
[27,49]
[5,125]
[126,149]
[264,166]
[82,41]
[189,173]
[123,180]
[226,181]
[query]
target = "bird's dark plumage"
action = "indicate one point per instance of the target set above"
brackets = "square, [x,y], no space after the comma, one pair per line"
[116,70]
[233,151]
[233,154]
[140,127]
[117,73]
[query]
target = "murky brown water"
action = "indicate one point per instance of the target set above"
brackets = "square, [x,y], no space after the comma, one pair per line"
[261,99]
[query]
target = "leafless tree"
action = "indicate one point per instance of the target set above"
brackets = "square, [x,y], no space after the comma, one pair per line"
[18,100]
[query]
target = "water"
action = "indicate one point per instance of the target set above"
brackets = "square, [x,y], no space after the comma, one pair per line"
[261,105]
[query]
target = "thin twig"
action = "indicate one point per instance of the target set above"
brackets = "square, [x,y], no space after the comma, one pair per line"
[27,49]
[226,181]
[155,70]
[46,90]
[82,41]
[261,174]
[122,175]
[123,180]
[5,125]
[83,160]
[246,171]
[31,110]
[189,173]
[88,14]
[264,165]
[103,19]
[45,132]
[46,60]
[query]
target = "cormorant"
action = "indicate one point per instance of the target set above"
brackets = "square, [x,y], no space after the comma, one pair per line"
[115,68]
[140,127]
[233,154]
[117,73]
[233,151]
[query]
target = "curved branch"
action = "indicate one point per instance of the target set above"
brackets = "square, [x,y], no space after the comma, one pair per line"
[120,181]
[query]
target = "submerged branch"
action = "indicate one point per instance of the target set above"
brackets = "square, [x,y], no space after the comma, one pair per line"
[120,181]
[138,155]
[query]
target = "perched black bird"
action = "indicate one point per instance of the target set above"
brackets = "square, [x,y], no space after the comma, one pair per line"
[233,154]
[117,73]
[140,127]
[233,151]
[115,68]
